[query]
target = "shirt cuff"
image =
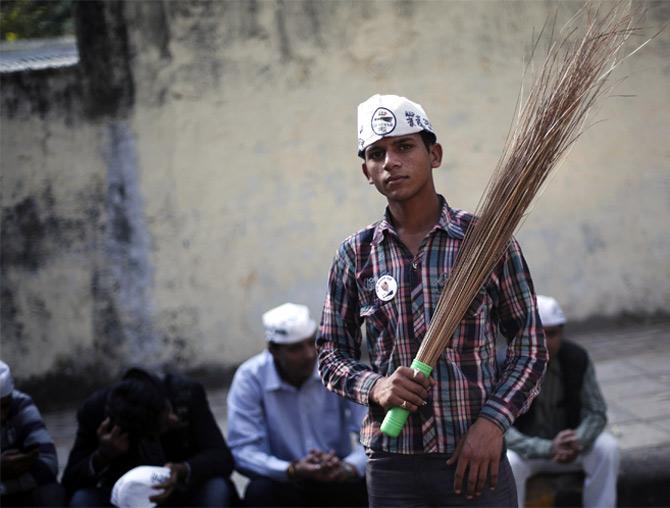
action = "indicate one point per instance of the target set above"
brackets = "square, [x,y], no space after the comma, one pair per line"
[364,385]
[544,448]
[498,414]
[285,471]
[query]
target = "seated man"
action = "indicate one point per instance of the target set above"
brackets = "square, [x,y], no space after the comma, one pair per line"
[288,434]
[150,420]
[563,429]
[29,462]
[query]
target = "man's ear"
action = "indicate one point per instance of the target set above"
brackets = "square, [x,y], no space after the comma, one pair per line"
[435,155]
[364,168]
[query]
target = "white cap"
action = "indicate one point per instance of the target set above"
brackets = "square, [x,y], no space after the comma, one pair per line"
[389,115]
[134,488]
[288,323]
[550,312]
[6,381]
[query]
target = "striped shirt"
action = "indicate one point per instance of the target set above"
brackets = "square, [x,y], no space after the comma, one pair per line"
[23,428]
[468,383]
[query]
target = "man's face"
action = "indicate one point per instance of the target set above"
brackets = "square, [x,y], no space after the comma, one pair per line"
[295,361]
[400,167]
[168,419]
[553,334]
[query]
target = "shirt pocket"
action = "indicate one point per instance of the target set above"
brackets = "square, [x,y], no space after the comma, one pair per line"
[381,314]
[472,333]
[380,330]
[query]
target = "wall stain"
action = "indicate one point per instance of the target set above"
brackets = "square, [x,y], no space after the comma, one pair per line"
[284,43]
[122,282]
[23,235]
[12,328]
[592,239]
[249,280]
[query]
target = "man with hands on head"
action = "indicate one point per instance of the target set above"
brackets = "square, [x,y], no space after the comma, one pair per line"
[388,278]
[288,434]
[564,430]
[147,419]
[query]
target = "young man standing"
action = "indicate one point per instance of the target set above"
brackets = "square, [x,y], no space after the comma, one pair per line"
[389,276]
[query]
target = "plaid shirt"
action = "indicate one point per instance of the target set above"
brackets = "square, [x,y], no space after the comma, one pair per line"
[468,382]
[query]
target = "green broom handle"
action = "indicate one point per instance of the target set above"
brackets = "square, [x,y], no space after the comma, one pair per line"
[396,417]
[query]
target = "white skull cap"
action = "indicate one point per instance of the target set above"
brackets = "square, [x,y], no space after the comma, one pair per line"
[134,488]
[550,312]
[287,324]
[389,115]
[6,380]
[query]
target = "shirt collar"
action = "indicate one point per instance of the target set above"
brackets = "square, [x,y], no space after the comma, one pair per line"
[449,221]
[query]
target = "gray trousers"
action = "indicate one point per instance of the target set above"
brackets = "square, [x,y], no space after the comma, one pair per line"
[426,480]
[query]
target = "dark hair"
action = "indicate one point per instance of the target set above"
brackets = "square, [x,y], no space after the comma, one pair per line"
[429,139]
[136,406]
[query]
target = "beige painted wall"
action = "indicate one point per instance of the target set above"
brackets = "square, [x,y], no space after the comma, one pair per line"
[244,134]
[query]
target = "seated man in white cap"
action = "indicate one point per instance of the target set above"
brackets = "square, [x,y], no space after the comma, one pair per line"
[563,429]
[29,462]
[288,434]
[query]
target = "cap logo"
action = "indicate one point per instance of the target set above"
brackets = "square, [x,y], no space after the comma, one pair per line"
[383,121]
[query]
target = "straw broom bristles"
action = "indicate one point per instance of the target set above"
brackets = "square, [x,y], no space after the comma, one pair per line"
[573,77]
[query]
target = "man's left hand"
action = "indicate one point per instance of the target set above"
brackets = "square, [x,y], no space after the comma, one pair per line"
[15,462]
[478,452]
[566,447]
[331,467]
[178,473]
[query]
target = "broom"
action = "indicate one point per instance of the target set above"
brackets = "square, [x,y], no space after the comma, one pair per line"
[573,77]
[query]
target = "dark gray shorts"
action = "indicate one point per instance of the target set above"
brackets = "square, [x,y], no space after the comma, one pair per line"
[426,480]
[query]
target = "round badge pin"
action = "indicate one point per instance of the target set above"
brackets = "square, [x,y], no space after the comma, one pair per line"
[386,288]
[383,121]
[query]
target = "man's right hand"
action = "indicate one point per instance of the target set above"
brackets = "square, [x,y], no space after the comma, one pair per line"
[320,466]
[565,447]
[308,468]
[14,462]
[112,442]
[406,388]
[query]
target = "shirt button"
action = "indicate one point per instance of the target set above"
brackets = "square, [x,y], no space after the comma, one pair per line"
[415,265]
